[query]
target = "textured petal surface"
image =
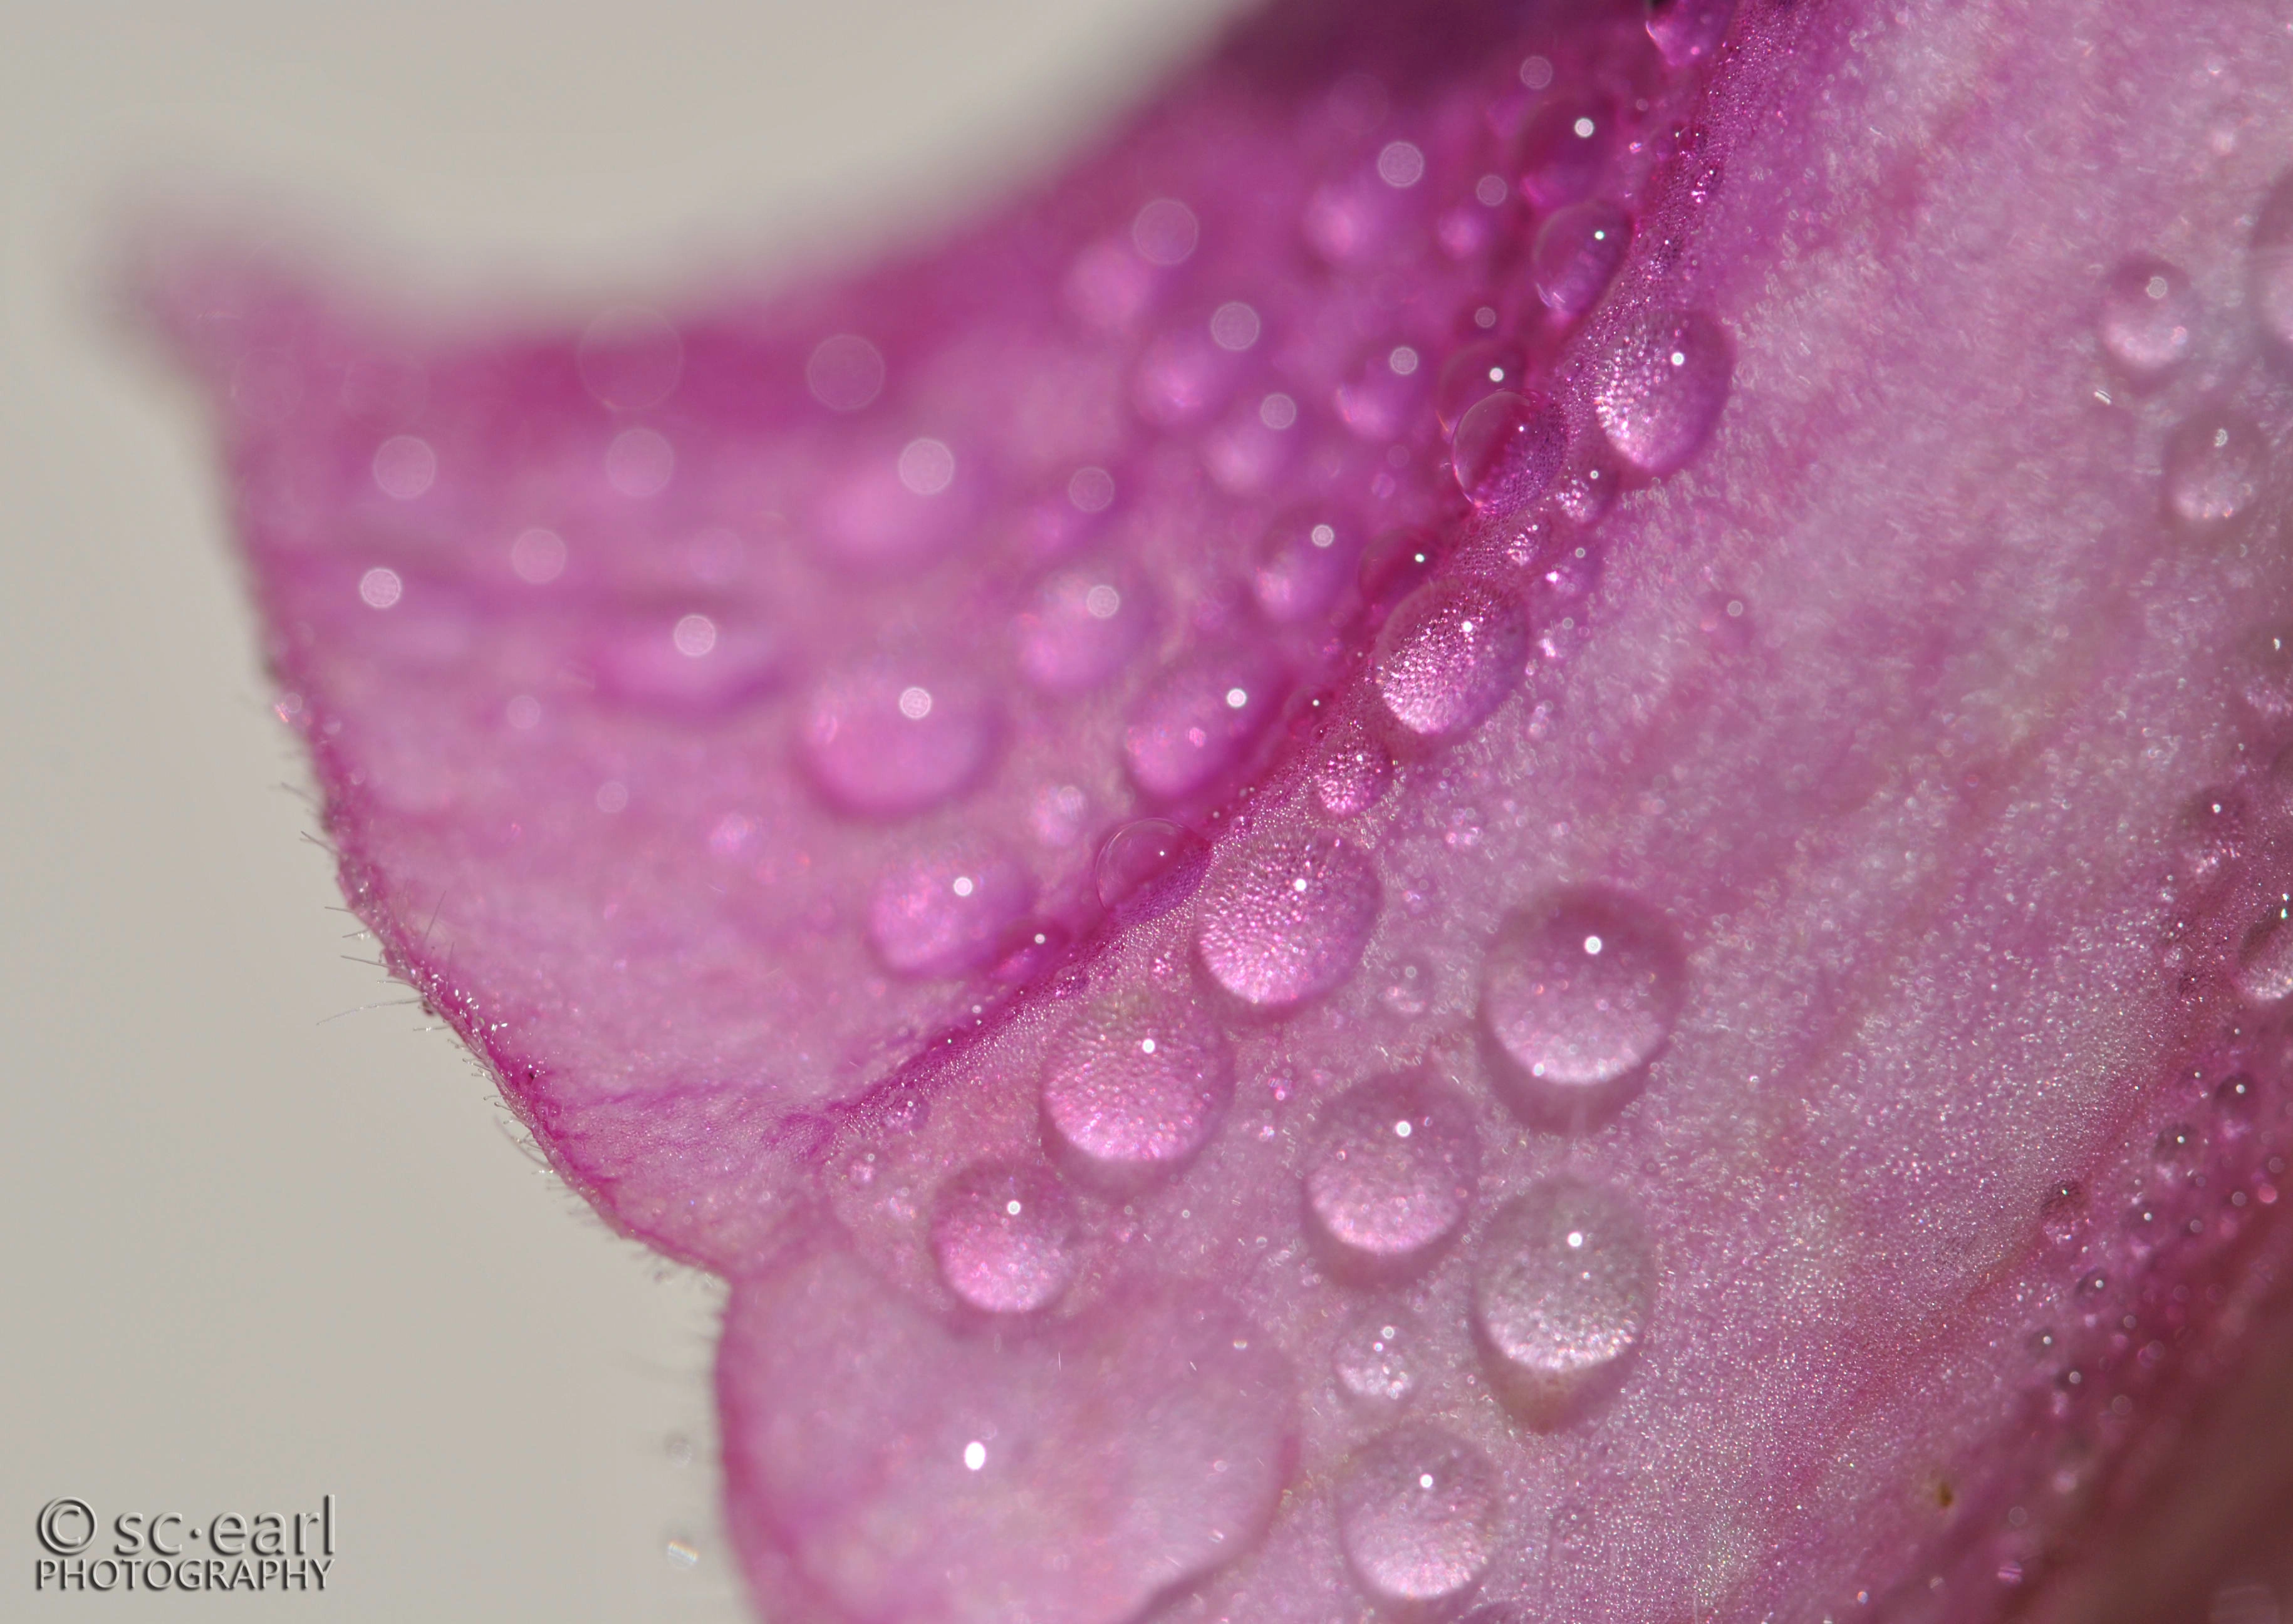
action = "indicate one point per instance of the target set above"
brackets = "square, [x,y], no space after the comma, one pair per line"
[1784,820]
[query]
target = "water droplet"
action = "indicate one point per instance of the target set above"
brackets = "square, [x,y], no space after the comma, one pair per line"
[2269,263]
[1301,565]
[2147,317]
[1508,448]
[870,754]
[1375,1357]
[1576,999]
[630,358]
[1184,731]
[1688,31]
[1396,565]
[1576,252]
[1408,988]
[1384,395]
[1564,148]
[946,912]
[1418,1514]
[2215,463]
[1135,1088]
[1392,1172]
[688,660]
[1563,1284]
[1353,778]
[2264,962]
[1401,164]
[846,373]
[1083,624]
[1450,654]
[1005,1238]
[1147,867]
[1475,372]
[1288,918]
[1659,386]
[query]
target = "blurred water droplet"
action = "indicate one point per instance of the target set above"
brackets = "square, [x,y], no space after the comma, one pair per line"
[1375,1357]
[1474,373]
[874,749]
[1576,252]
[2147,317]
[1408,988]
[1301,565]
[1083,624]
[1186,729]
[1688,31]
[846,373]
[946,910]
[2215,465]
[630,358]
[2269,263]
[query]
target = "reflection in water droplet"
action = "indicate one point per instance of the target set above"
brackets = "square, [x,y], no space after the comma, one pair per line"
[946,912]
[1288,917]
[1375,1357]
[1563,1283]
[1353,778]
[2215,463]
[1419,1512]
[1474,373]
[1186,729]
[875,750]
[1301,565]
[2269,263]
[1005,1238]
[1449,656]
[2264,962]
[1576,252]
[1392,1172]
[1135,1088]
[1147,867]
[1507,450]
[2147,317]
[1659,388]
[1083,625]
[1576,999]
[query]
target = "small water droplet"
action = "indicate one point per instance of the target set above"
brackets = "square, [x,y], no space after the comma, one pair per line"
[947,911]
[1288,917]
[1182,732]
[1005,1238]
[2147,317]
[1375,1357]
[1507,450]
[2269,263]
[2215,464]
[1392,1172]
[1301,565]
[690,661]
[1576,1000]
[1418,1514]
[870,755]
[1576,252]
[1475,372]
[1659,386]
[1449,655]
[1135,1088]
[1147,867]
[1082,625]
[1352,778]
[1556,1323]
[1408,988]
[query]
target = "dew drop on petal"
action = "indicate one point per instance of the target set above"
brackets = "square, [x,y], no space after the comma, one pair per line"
[1392,1172]
[1659,388]
[380,588]
[1576,252]
[1135,1088]
[1508,448]
[945,910]
[1564,150]
[1576,998]
[1418,1514]
[1235,325]
[1082,625]
[1287,918]
[2147,318]
[1562,1284]
[2269,263]
[2264,961]
[538,555]
[1352,778]
[685,661]
[1474,372]
[640,462]
[1301,565]
[1449,655]
[1376,1357]
[1005,1238]
[845,373]
[2214,468]
[1184,728]
[873,748]
[1147,867]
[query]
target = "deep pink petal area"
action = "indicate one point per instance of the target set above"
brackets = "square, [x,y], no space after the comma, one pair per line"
[1799,850]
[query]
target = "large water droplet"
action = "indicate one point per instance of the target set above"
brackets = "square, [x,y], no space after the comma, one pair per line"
[2215,464]
[1688,31]
[885,739]
[1196,719]
[947,911]
[1473,374]
[1083,625]
[1301,565]
[2269,263]
[1288,917]
[1563,1283]
[1135,1088]
[1392,1172]
[1376,1357]
[1507,450]
[2147,317]
[1576,998]
[1449,655]
[1659,386]
[1576,252]
[1005,1238]
[1147,867]
[1419,1513]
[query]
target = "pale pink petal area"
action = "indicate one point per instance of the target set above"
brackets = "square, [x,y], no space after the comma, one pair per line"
[1698,603]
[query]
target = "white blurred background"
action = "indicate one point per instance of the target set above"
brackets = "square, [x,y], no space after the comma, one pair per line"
[264,1237]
